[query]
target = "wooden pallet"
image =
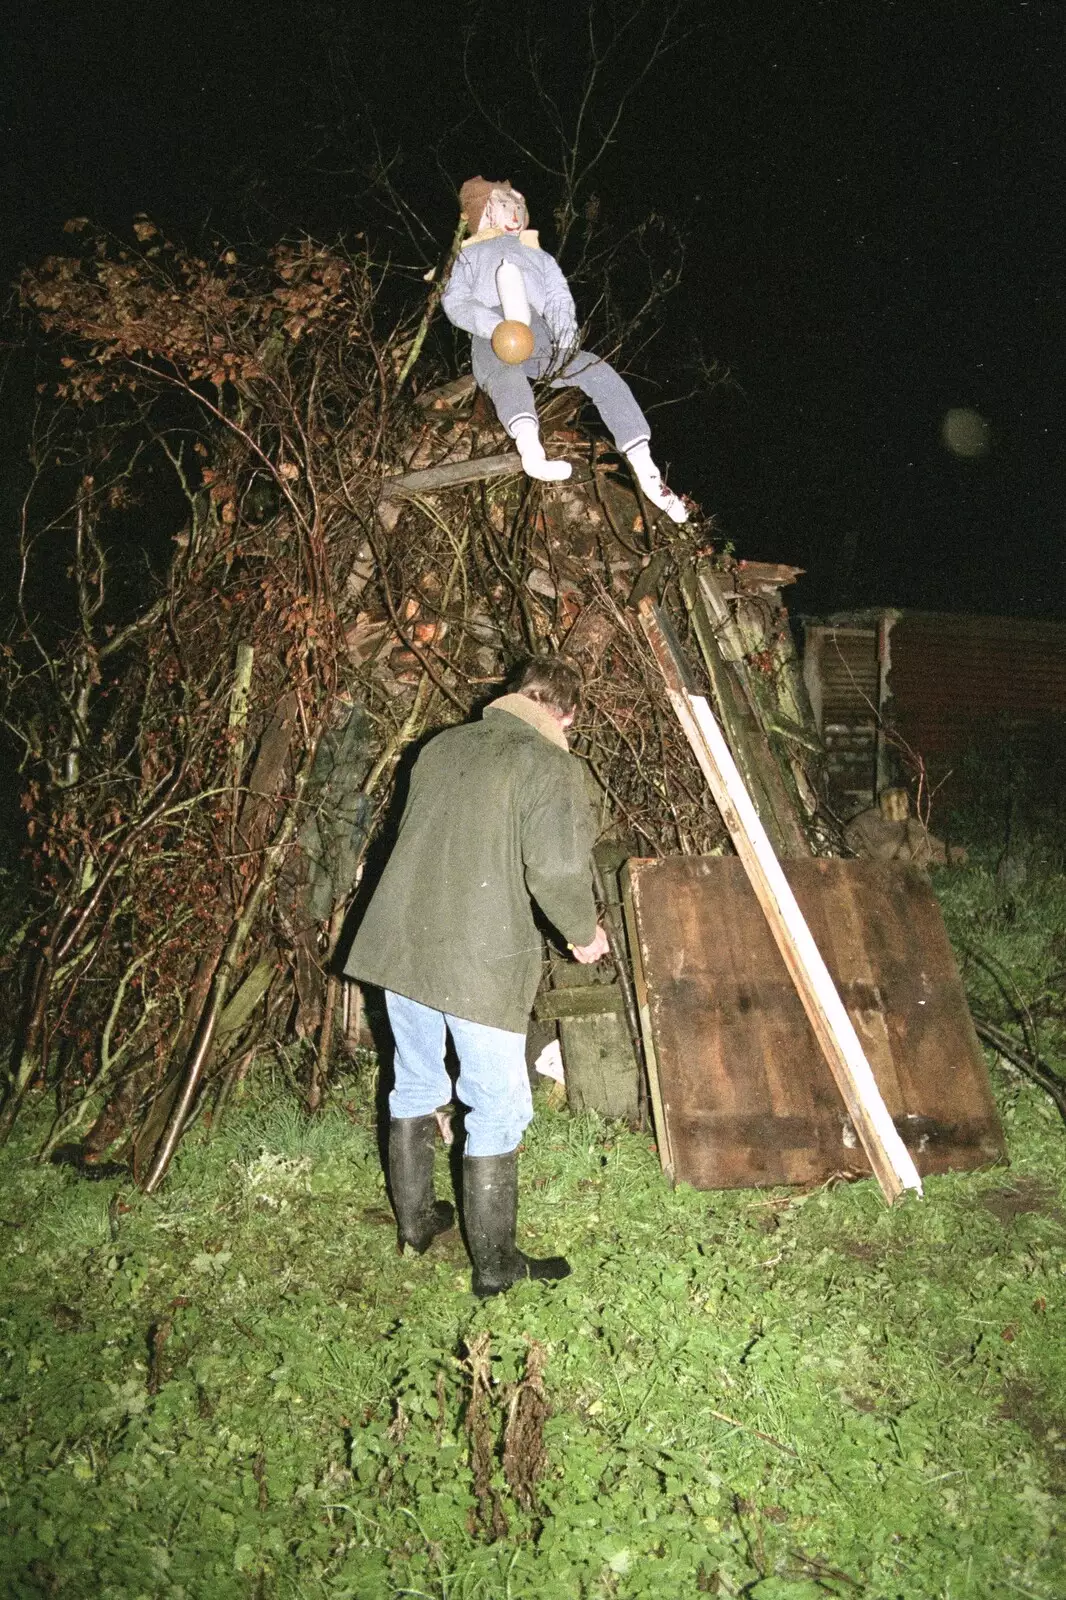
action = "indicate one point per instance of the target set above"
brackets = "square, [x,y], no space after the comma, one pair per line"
[742,1092]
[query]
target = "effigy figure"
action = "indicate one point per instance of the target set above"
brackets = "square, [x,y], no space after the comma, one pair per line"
[513,299]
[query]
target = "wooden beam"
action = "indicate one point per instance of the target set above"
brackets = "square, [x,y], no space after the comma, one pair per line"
[451,475]
[741,716]
[833,1028]
[730,642]
[447,395]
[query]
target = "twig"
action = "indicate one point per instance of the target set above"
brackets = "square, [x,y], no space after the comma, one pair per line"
[747,1428]
[439,285]
[1031,1064]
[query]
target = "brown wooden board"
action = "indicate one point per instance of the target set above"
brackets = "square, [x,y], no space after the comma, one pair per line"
[742,1093]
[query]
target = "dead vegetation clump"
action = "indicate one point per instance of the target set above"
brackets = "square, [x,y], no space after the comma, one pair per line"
[515,1443]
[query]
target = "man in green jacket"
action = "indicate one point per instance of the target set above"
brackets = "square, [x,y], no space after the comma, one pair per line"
[497,818]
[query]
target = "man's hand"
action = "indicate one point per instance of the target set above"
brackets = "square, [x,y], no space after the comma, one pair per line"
[588,953]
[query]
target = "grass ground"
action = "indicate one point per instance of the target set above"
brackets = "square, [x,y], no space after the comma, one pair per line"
[238,1388]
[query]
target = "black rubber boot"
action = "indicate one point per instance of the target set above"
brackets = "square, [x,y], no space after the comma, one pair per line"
[490,1212]
[419,1214]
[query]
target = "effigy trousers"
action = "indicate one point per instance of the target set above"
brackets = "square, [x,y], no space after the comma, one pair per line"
[511,392]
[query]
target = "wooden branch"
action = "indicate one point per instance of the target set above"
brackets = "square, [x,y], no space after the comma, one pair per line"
[207,1025]
[141,624]
[323,1049]
[833,1028]
[1029,1063]
[237,725]
[451,475]
[439,284]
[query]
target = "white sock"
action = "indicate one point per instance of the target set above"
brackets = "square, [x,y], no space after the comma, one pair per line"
[651,482]
[534,462]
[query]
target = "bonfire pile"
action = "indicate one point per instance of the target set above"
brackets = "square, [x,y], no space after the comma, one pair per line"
[210,739]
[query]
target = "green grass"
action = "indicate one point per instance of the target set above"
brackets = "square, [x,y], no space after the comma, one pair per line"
[238,1388]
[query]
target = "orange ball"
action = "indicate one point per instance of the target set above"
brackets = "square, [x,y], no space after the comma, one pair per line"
[512,342]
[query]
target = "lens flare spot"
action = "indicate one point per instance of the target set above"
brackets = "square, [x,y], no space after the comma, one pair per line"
[965,433]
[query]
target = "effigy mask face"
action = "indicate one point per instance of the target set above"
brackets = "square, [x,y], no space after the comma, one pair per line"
[506,209]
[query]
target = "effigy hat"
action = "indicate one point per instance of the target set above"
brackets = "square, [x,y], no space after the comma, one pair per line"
[474,197]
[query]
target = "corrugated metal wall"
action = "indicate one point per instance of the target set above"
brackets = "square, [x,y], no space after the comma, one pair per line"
[841,670]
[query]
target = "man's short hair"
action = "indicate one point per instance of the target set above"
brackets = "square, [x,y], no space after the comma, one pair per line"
[552,681]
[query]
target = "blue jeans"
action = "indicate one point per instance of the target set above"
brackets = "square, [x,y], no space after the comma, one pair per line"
[493,1083]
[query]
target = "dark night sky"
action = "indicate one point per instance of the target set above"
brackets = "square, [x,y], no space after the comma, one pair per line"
[874,192]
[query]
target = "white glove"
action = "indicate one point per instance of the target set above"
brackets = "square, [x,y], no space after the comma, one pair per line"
[588,953]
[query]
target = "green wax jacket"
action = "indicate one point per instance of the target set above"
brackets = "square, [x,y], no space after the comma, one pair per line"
[497,813]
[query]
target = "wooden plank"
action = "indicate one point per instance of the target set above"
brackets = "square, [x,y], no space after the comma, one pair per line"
[447,395]
[594,999]
[888,1156]
[451,475]
[730,642]
[742,1092]
[602,1046]
[741,714]
[662,1125]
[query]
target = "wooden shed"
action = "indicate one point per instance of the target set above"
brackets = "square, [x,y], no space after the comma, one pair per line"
[952,688]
